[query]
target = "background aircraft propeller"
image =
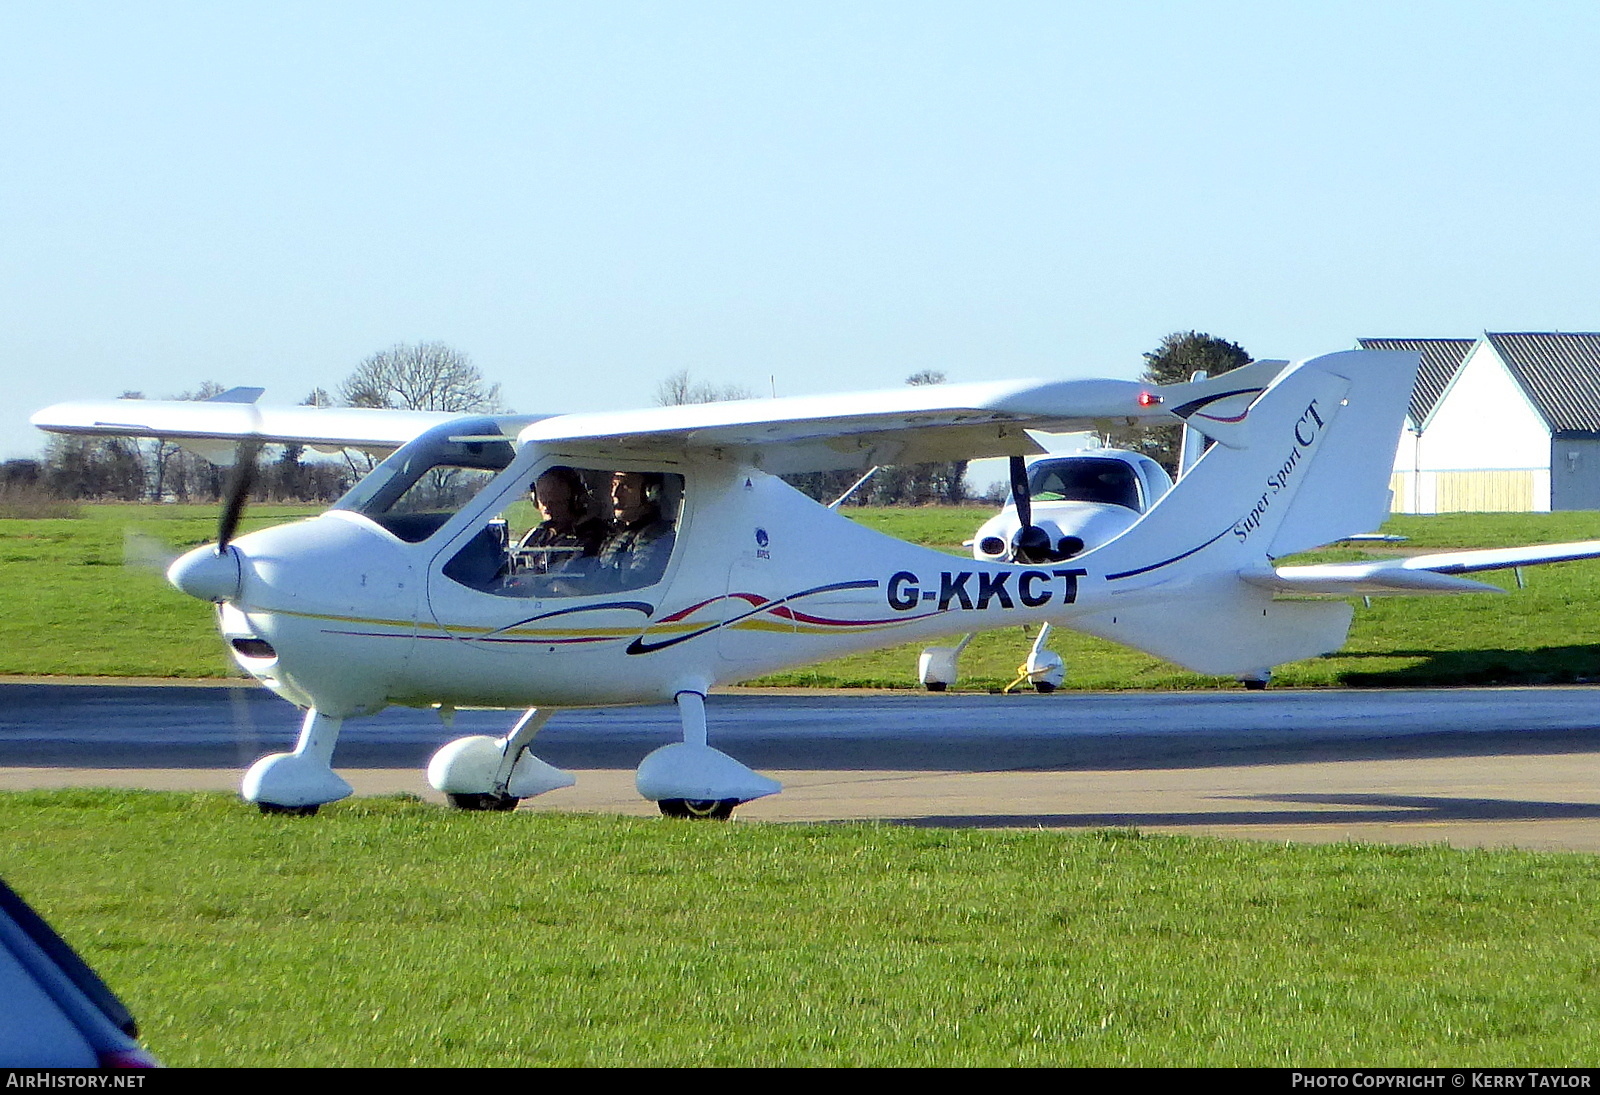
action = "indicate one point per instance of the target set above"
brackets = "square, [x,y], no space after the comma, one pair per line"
[1031,544]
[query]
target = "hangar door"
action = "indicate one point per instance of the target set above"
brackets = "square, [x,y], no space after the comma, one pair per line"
[1484,492]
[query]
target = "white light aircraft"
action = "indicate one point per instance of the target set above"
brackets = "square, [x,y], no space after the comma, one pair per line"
[1072,503]
[666,557]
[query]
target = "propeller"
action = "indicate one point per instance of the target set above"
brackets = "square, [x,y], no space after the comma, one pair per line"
[147,552]
[240,479]
[1031,544]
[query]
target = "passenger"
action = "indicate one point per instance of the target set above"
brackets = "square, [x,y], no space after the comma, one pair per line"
[636,552]
[568,532]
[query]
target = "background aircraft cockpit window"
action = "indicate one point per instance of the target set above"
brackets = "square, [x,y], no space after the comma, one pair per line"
[1085,479]
[426,481]
[575,532]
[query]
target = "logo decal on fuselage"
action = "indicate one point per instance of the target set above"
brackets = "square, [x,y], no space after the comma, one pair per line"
[1307,429]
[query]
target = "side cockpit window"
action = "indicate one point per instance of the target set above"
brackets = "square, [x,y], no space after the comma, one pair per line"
[576,532]
[426,481]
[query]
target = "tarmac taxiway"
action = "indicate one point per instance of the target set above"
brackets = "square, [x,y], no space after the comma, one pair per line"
[1469,767]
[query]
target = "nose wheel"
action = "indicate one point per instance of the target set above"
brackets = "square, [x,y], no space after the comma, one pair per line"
[698,809]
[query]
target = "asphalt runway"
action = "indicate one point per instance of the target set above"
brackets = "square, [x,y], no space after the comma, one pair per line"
[1470,767]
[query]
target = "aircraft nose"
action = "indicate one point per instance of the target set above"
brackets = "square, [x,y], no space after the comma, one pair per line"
[206,574]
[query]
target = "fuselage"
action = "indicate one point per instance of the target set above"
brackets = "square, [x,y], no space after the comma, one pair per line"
[362,607]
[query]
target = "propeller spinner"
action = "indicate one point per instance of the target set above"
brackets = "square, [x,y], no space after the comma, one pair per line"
[215,572]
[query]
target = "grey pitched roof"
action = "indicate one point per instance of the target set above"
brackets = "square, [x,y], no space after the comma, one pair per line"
[1441,357]
[1560,372]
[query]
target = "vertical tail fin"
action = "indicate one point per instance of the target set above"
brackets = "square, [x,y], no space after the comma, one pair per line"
[1320,445]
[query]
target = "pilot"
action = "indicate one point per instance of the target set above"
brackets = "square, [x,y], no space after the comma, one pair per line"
[568,531]
[635,554]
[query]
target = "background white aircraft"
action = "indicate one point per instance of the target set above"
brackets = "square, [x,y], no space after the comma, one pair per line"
[1086,499]
[418,587]
[1076,502]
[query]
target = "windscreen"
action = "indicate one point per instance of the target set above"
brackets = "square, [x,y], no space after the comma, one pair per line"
[1085,479]
[427,480]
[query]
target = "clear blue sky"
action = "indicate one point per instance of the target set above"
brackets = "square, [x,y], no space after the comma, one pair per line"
[586,197]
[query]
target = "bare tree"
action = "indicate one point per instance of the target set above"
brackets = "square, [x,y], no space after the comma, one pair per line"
[679,389]
[427,376]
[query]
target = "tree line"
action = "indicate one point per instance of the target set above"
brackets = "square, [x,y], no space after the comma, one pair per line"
[433,376]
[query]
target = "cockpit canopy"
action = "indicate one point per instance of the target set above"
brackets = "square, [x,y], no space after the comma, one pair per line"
[426,481]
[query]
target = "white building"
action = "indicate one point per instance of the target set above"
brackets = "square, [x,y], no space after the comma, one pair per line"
[1506,422]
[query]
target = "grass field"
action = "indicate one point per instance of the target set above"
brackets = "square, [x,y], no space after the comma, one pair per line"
[63,578]
[390,932]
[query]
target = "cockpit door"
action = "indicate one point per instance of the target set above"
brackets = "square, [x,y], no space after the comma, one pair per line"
[522,588]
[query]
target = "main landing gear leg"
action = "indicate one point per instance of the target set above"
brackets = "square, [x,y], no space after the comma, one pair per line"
[484,773]
[689,779]
[299,782]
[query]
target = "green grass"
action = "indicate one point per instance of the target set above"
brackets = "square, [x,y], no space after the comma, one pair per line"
[390,932]
[68,606]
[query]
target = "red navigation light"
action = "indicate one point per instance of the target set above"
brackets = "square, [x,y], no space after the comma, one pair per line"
[1149,399]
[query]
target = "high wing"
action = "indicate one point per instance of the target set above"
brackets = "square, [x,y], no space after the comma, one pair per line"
[1435,573]
[901,425]
[796,434]
[211,426]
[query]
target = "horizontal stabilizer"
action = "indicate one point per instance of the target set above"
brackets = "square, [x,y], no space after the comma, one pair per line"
[1467,562]
[1435,573]
[1359,580]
